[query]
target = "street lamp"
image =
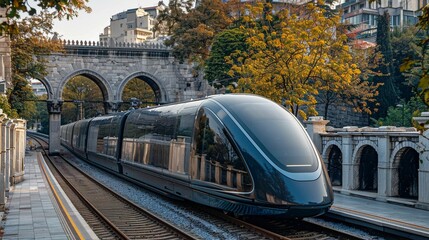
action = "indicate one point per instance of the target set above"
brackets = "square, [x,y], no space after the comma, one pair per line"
[403,113]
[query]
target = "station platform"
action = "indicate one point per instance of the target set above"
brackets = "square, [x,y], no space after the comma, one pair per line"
[37,208]
[394,215]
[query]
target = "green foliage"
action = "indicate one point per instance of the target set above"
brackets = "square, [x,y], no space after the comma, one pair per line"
[40,119]
[192,31]
[388,92]
[225,44]
[417,67]
[29,48]
[20,97]
[402,114]
[405,46]
[7,109]
[292,56]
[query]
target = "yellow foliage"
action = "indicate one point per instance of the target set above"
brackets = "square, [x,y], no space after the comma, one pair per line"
[290,61]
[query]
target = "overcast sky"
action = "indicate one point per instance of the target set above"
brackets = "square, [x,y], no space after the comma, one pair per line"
[89,26]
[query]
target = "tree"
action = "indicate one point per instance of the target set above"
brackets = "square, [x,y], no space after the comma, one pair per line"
[137,88]
[168,19]
[224,45]
[292,55]
[192,30]
[417,67]
[389,93]
[360,91]
[405,45]
[29,48]
[81,94]
[403,113]
[6,108]
[15,9]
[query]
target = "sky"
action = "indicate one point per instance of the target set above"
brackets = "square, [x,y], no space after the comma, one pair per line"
[88,26]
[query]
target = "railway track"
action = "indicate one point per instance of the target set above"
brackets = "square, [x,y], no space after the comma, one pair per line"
[109,215]
[130,223]
[277,228]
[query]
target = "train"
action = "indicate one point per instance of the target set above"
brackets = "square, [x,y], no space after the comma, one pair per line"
[240,153]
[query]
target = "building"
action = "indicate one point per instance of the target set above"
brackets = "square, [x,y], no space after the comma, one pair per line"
[38,88]
[5,60]
[364,14]
[132,26]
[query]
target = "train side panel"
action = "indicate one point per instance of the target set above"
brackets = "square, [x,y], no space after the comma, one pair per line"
[103,139]
[156,147]
[80,133]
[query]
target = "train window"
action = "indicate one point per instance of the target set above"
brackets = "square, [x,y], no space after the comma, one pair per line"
[278,134]
[216,160]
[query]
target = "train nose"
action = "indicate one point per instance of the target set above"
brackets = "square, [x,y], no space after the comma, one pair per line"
[288,192]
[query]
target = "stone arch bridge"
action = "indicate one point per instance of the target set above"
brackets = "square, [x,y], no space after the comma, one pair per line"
[111,66]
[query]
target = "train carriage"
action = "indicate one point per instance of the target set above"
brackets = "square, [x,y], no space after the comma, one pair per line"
[239,153]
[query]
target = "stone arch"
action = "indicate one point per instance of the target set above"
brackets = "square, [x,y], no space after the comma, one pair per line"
[102,83]
[405,165]
[327,148]
[332,156]
[48,87]
[152,81]
[366,172]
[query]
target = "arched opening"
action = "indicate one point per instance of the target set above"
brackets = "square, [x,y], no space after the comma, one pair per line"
[140,92]
[335,166]
[368,169]
[39,120]
[83,98]
[408,174]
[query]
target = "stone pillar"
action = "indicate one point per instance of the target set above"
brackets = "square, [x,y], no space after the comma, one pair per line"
[54,109]
[17,168]
[3,147]
[348,173]
[423,199]
[384,178]
[315,126]
[10,131]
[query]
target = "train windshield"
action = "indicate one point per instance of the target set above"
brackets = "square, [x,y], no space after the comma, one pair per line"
[280,136]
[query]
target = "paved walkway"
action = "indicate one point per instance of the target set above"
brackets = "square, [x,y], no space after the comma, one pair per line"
[384,216]
[31,211]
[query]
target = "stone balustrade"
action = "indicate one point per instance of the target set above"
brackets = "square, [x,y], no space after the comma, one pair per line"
[12,147]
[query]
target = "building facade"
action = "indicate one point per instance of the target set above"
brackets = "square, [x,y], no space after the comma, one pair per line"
[5,60]
[132,26]
[364,14]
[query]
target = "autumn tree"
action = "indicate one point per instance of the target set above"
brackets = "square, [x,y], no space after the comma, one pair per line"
[29,47]
[16,9]
[169,18]
[139,89]
[360,93]
[191,30]
[292,55]
[81,94]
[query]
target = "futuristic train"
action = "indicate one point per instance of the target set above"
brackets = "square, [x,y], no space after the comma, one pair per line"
[240,153]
